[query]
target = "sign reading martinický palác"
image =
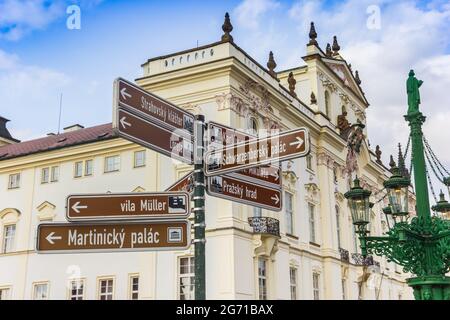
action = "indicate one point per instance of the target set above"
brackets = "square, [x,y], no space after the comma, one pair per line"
[73,237]
[128,206]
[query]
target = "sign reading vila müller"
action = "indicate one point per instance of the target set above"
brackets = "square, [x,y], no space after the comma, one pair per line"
[128,206]
[256,152]
[101,237]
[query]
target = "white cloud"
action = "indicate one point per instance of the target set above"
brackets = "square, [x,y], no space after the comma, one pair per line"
[249,12]
[32,89]
[411,36]
[20,17]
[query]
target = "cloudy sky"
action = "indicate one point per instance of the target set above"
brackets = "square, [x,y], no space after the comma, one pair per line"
[41,58]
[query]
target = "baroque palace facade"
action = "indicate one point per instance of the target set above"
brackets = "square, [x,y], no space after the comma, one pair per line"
[307,251]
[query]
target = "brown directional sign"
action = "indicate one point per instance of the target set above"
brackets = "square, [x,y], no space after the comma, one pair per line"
[155,137]
[186,184]
[135,99]
[223,136]
[106,237]
[244,192]
[265,175]
[128,206]
[259,151]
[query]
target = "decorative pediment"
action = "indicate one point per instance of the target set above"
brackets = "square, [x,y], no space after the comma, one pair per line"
[9,215]
[312,192]
[46,211]
[138,189]
[289,176]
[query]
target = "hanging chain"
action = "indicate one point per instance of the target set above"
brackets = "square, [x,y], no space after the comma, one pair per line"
[433,168]
[435,159]
[429,182]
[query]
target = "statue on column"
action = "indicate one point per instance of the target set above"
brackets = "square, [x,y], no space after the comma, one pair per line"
[412,88]
[343,124]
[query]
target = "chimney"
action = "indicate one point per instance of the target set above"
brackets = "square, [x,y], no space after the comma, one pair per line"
[72,128]
[5,136]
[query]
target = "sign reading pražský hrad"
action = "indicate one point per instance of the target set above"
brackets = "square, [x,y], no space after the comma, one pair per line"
[113,237]
[259,151]
[241,191]
[121,206]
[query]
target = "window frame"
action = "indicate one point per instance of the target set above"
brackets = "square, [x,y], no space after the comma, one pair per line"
[69,294]
[75,175]
[4,238]
[52,174]
[131,290]
[8,289]
[293,285]
[190,275]
[257,212]
[309,162]
[262,279]
[144,163]
[312,222]
[99,288]
[86,172]
[289,214]
[17,181]
[45,181]
[106,165]
[316,285]
[41,283]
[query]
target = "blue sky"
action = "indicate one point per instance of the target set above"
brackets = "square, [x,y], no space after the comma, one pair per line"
[40,57]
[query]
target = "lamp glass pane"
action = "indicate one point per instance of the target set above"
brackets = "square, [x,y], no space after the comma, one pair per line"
[398,199]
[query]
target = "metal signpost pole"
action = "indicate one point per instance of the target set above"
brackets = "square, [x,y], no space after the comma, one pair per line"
[199,209]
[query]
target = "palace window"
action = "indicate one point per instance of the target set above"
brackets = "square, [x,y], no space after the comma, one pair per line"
[312,222]
[293,282]
[9,233]
[112,164]
[289,213]
[5,293]
[139,159]
[309,160]
[134,287]
[316,288]
[186,279]
[338,227]
[54,177]
[76,289]
[89,167]
[327,104]
[262,278]
[40,291]
[45,175]
[106,289]
[14,181]
[253,124]
[78,169]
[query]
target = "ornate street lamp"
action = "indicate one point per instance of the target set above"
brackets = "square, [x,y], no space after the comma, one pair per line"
[420,244]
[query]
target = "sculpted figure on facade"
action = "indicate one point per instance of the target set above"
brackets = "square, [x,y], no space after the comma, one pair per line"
[343,124]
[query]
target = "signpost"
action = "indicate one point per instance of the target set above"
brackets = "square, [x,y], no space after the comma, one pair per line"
[244,192]
[256,152]
[155,137]
[134,99]
[114,237]
[267,175]
[186,184]
[122,206]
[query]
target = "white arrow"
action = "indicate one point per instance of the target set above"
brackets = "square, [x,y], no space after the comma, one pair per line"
[275,175]
[51,237]
[275,198]
[124,123]
[125,94]
[76,207]
[299,142]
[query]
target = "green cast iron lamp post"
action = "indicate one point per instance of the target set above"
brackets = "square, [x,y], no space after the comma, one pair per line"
[420,244]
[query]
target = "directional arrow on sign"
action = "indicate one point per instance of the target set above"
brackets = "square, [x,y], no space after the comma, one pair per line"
[275,198]
[76,207]
[124,93]
[51,237]
[299,142]
[124,123]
